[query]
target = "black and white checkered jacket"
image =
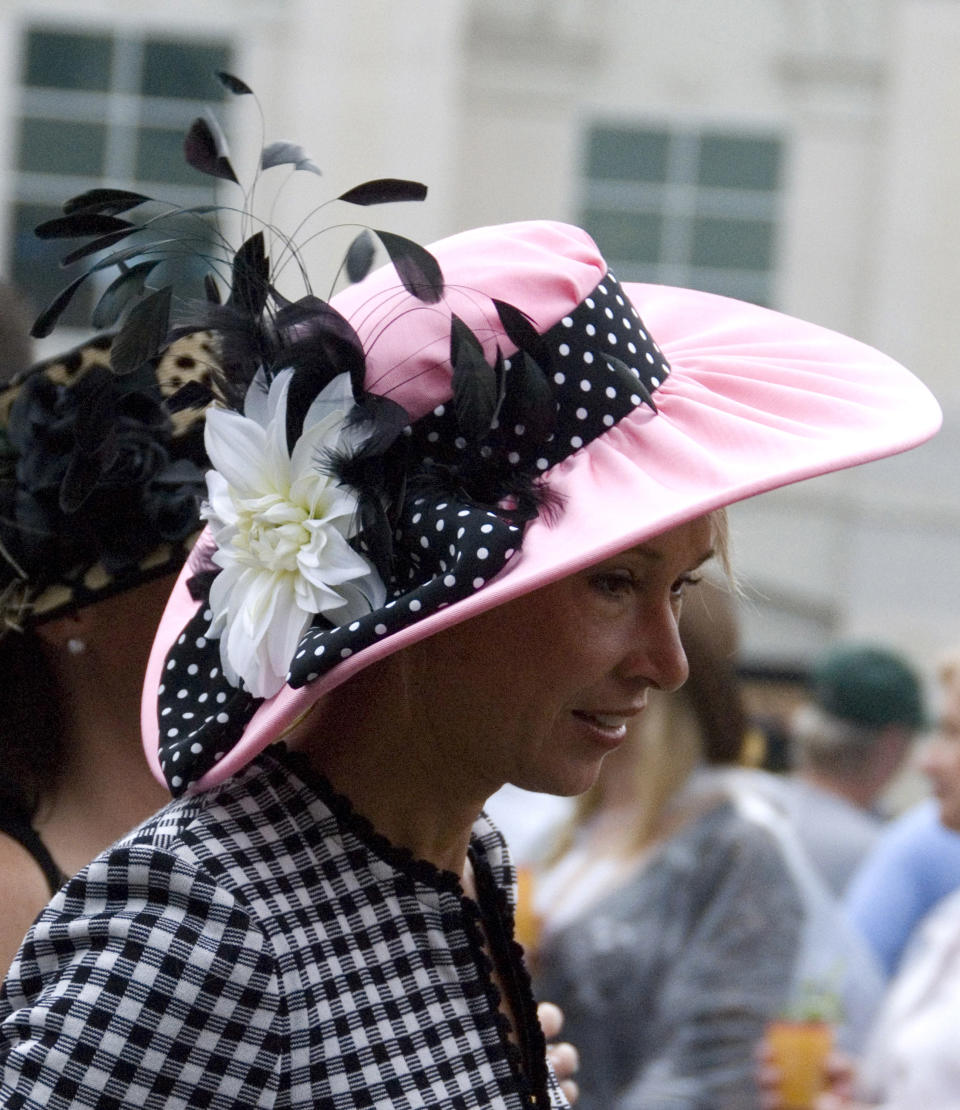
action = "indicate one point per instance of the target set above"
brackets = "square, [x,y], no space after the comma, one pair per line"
[260,945]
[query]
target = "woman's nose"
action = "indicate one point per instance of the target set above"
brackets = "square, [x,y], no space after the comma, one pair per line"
[656,654]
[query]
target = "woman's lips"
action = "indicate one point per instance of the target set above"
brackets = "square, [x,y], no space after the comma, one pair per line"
[609,728]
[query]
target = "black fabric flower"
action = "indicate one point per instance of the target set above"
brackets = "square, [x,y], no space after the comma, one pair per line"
[89,474]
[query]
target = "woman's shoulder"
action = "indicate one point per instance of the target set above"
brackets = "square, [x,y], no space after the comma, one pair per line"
[723,826]
[25,893]
[728,847]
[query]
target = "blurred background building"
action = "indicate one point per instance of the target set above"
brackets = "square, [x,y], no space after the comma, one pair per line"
[800,153]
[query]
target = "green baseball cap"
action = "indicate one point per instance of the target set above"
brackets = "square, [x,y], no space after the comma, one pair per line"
[869,686]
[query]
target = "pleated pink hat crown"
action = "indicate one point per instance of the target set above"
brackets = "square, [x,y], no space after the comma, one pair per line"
[452,431]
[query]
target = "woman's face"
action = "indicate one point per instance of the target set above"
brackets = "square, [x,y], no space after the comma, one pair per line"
[940,755]
[538,691]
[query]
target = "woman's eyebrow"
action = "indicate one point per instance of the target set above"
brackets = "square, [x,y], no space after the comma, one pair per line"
[654,555]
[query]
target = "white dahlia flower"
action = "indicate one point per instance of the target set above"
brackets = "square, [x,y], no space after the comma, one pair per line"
[282,530]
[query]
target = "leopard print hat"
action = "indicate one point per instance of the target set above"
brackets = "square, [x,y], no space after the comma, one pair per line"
[101,475]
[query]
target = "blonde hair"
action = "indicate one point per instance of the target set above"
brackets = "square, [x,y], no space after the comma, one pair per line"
[704,720]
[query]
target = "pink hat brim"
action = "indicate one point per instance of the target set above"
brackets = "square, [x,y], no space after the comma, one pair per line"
[756,400]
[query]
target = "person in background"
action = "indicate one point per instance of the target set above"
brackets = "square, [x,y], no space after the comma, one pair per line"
[913,865]
[82,587]
[916,860]
[848,741]
[910,1059]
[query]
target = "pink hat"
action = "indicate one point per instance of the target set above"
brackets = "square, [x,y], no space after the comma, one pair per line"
[534,418]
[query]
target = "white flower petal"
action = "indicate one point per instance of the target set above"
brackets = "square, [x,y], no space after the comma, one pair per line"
[221,590]
[255,401]
[235,447]
[277,397]
[335,398]
[340,563]
[310,448]
[358,600]
[284,634]
[243,655]
[276,460]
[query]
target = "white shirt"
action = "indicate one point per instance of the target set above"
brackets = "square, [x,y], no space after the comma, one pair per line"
[913,1056]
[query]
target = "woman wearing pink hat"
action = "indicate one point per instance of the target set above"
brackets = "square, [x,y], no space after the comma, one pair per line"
[451,520]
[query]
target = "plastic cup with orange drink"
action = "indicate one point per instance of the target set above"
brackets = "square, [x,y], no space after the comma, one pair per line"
[799,1051]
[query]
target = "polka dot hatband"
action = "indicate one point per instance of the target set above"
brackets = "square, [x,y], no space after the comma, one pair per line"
[745,400]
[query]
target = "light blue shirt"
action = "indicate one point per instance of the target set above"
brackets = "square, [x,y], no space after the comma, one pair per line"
[913,865]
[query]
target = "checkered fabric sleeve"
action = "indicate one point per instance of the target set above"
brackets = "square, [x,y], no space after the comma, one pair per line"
[260,945]
[143,985]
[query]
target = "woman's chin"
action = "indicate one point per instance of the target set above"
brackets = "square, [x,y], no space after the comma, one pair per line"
[564,782]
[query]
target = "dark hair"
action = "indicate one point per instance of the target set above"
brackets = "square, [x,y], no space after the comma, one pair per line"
[709,633]
[31,724]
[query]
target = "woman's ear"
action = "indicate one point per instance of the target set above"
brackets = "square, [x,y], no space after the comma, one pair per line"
[69,634]
[118,629]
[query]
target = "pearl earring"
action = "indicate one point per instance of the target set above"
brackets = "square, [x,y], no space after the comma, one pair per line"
[76,646]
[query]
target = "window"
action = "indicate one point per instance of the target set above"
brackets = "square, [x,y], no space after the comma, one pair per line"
[96,109]
[695,207]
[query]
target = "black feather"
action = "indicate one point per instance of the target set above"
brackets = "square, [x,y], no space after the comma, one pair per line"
[127,254]
[635,382]
[522,333]
[306,382]
[381,422]
[199,583]
[385,190]
[234,84]
[143,334]
[360,256]
[205,149]
[211,289]
[500,377]
[378,480]
[47,320]
[243,345]
[528,399]
[315,333]
[376,530]
[295,316]
[120,292]
[79,224]
[193,395]
[100,244]
[474,382]
[108,201]
[250,283]
[417,268]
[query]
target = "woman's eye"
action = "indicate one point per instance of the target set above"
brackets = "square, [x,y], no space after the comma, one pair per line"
[613,584]
[683,582]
